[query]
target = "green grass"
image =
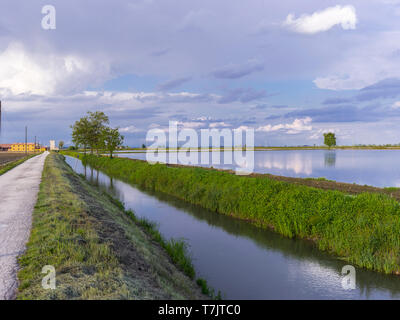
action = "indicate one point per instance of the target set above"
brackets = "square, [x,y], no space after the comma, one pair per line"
[362,229]
[176,249]
[391,189]
[95,246]
[64,235]
[206,290]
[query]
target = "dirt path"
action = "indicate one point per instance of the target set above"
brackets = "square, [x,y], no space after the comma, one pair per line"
[18,193]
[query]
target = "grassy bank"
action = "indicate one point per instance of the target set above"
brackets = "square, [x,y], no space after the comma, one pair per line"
[363,229]
[11,165]
[99,250]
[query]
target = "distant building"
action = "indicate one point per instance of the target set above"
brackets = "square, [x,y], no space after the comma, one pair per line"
[30,147]
[20,147]
[53,145]
[5,147]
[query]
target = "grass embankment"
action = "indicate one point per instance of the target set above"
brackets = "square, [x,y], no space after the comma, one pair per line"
[11,165]
[99,250]
[363,229]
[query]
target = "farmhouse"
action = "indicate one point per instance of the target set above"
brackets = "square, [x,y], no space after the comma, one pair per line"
[5,147]
[29,147]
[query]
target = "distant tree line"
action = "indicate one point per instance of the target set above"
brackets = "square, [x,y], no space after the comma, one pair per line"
[92,132]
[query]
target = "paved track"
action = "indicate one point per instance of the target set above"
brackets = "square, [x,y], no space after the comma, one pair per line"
[18,193]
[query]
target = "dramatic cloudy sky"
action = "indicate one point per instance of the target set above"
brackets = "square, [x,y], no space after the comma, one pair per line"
[290,69]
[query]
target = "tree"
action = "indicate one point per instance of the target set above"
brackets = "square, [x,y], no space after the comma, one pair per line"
[80,133]
[330,139]
[143,146]
[97,121]
[61,144]
[112,139]
[88,131]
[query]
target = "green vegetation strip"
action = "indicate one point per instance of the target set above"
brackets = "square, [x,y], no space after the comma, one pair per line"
[362,229]
[99,250]
[11,165]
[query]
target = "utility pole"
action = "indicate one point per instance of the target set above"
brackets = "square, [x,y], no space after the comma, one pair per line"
[26,139]
[35,144]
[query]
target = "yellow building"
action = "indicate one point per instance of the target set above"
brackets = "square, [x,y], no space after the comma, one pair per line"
[29,147]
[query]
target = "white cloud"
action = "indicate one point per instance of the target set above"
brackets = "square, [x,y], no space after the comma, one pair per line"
[219,125]
[202,118]
[374,60]
[396,105]
[342,82]
[191,125]
[323,20]
[129,129]
[319,133]
[243,128]
[297,126]
[153,125]
[23,72]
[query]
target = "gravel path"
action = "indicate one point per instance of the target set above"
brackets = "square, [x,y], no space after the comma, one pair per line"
[18,192]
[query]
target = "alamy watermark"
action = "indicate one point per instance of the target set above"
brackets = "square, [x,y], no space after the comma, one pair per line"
[349,277]
[49,280]
[187,146]
[49,20]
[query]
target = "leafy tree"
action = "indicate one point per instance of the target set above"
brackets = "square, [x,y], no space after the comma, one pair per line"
[330,139]
[143,146]
[97,121]
[88,131]
[81,133]
[61,144]
[112,139]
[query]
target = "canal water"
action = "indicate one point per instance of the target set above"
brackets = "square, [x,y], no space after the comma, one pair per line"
[377,168]
[243,261]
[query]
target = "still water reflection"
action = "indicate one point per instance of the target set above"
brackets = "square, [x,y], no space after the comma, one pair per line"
[241,260]
[365,167]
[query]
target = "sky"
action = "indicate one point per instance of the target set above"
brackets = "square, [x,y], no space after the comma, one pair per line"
[290,69]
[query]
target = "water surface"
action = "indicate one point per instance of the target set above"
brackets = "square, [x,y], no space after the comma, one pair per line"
[377,168]
[243,261]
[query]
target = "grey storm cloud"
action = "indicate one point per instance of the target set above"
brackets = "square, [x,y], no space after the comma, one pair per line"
[388,88]
[345,113]
[159,53]
[336,101]
[237,71]
[243,95]
[174,83]
[384,89]
[261,106]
